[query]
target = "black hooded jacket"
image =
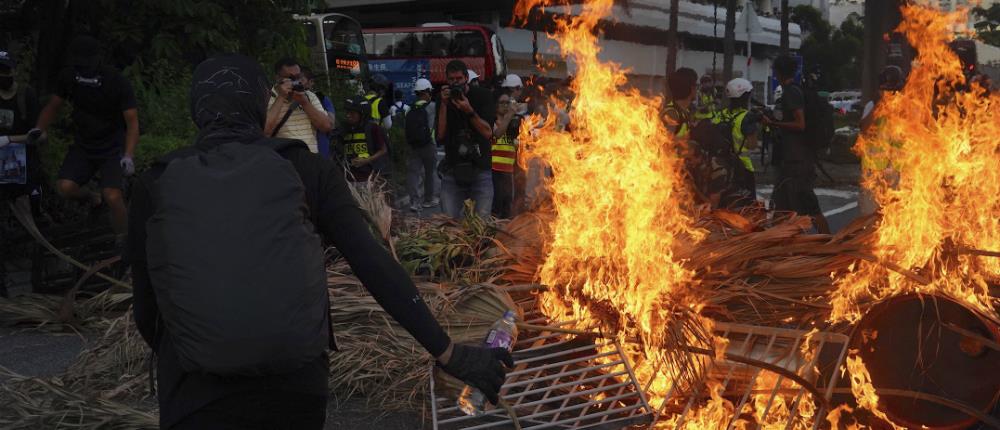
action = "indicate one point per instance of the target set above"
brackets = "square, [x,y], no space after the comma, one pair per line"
[228,103]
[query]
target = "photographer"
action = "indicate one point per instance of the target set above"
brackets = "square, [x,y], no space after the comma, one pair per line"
[464,128]
[295,112]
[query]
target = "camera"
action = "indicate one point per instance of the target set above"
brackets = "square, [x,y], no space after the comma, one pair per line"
[297,86]
[456,92]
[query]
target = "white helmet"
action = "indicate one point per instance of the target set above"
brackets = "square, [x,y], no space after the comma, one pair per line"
[421,85]
[472,75]
[736,88]
[512,81]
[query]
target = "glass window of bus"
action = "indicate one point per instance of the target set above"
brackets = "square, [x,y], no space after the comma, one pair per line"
[499,57]
[309,28]
[407,45]
[433,43]
[468,44]
[369,43]
[343,35]
[383,45]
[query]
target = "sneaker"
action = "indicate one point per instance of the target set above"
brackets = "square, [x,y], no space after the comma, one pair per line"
[432,204]
[415,208]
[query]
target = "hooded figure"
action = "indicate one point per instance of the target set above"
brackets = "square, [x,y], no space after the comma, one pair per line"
[228,100]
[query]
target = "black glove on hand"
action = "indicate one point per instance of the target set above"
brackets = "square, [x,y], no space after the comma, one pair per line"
[480,367]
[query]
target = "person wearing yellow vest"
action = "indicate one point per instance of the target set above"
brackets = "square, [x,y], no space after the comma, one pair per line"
[744,127]
[362,141]
[708,102]
[676,112]
[376,100]
[504,155]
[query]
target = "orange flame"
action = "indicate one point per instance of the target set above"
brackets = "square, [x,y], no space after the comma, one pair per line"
[619,195]
[933,165]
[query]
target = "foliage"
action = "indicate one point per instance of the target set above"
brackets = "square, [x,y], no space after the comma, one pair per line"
[989,28]
[836,51]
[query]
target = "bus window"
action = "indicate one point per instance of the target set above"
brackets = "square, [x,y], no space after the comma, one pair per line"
[310,29]
[468,44]
[406,45]
[499,57]
[343,36]
[434,44]
[369,43]
[383,45]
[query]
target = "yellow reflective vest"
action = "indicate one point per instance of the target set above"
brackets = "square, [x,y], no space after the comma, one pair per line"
[736,117]
[356,146]
[375,102]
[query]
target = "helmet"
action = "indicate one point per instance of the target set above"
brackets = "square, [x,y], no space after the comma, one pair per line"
[421,85]
[358,104]
[380,80]
[736,88]
[472,75]
[512,81]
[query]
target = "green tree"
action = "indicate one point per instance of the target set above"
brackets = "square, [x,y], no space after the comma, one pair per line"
[836,51]
[989,28]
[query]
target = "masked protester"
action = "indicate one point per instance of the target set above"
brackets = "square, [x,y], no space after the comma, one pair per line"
[228,268]
[106,128]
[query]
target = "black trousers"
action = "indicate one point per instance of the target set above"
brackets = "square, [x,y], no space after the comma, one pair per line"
[503,194]
[255,410]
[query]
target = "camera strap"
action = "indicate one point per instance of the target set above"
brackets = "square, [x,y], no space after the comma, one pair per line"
[284,119]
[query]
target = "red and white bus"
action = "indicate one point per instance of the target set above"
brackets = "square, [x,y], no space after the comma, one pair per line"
[406,54]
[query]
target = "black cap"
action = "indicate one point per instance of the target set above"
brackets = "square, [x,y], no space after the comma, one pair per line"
[84,51]
[6,59]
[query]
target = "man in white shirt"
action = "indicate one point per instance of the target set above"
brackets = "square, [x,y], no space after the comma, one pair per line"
[295,112]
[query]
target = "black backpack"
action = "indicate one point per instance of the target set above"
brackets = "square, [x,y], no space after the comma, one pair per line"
[819,120]
[418,129]
[717,168]
[235,262]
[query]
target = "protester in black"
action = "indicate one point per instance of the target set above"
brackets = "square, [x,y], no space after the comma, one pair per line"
[796,173]
[230,107]
[106,128]
[18,114]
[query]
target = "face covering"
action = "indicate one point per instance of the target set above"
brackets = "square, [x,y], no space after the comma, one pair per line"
[6,82]
[229,96]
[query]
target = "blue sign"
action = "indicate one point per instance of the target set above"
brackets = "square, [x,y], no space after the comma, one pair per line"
[799,72]
[402,73]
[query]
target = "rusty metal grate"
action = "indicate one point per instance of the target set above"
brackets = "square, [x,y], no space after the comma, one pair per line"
[559,382]
[741,383]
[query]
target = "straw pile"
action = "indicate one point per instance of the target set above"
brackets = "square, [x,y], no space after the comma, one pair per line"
[750,269]
[378,359]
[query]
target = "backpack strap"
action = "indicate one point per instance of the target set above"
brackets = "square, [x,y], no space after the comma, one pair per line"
[288,113]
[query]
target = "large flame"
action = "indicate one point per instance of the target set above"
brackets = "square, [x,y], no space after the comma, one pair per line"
[933,163]
[620,201]
[935,172]
[623,210]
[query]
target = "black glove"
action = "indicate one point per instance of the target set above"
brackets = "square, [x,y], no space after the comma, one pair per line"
[480,367]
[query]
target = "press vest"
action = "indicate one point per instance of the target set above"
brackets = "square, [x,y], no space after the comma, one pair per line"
[504,153]
[375,102]
[736,117]
[356,145]
[680,116]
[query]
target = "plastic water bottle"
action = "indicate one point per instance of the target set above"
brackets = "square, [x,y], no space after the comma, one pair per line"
[502,334]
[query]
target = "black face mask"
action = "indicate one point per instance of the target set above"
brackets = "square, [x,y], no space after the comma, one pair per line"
[6,82]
